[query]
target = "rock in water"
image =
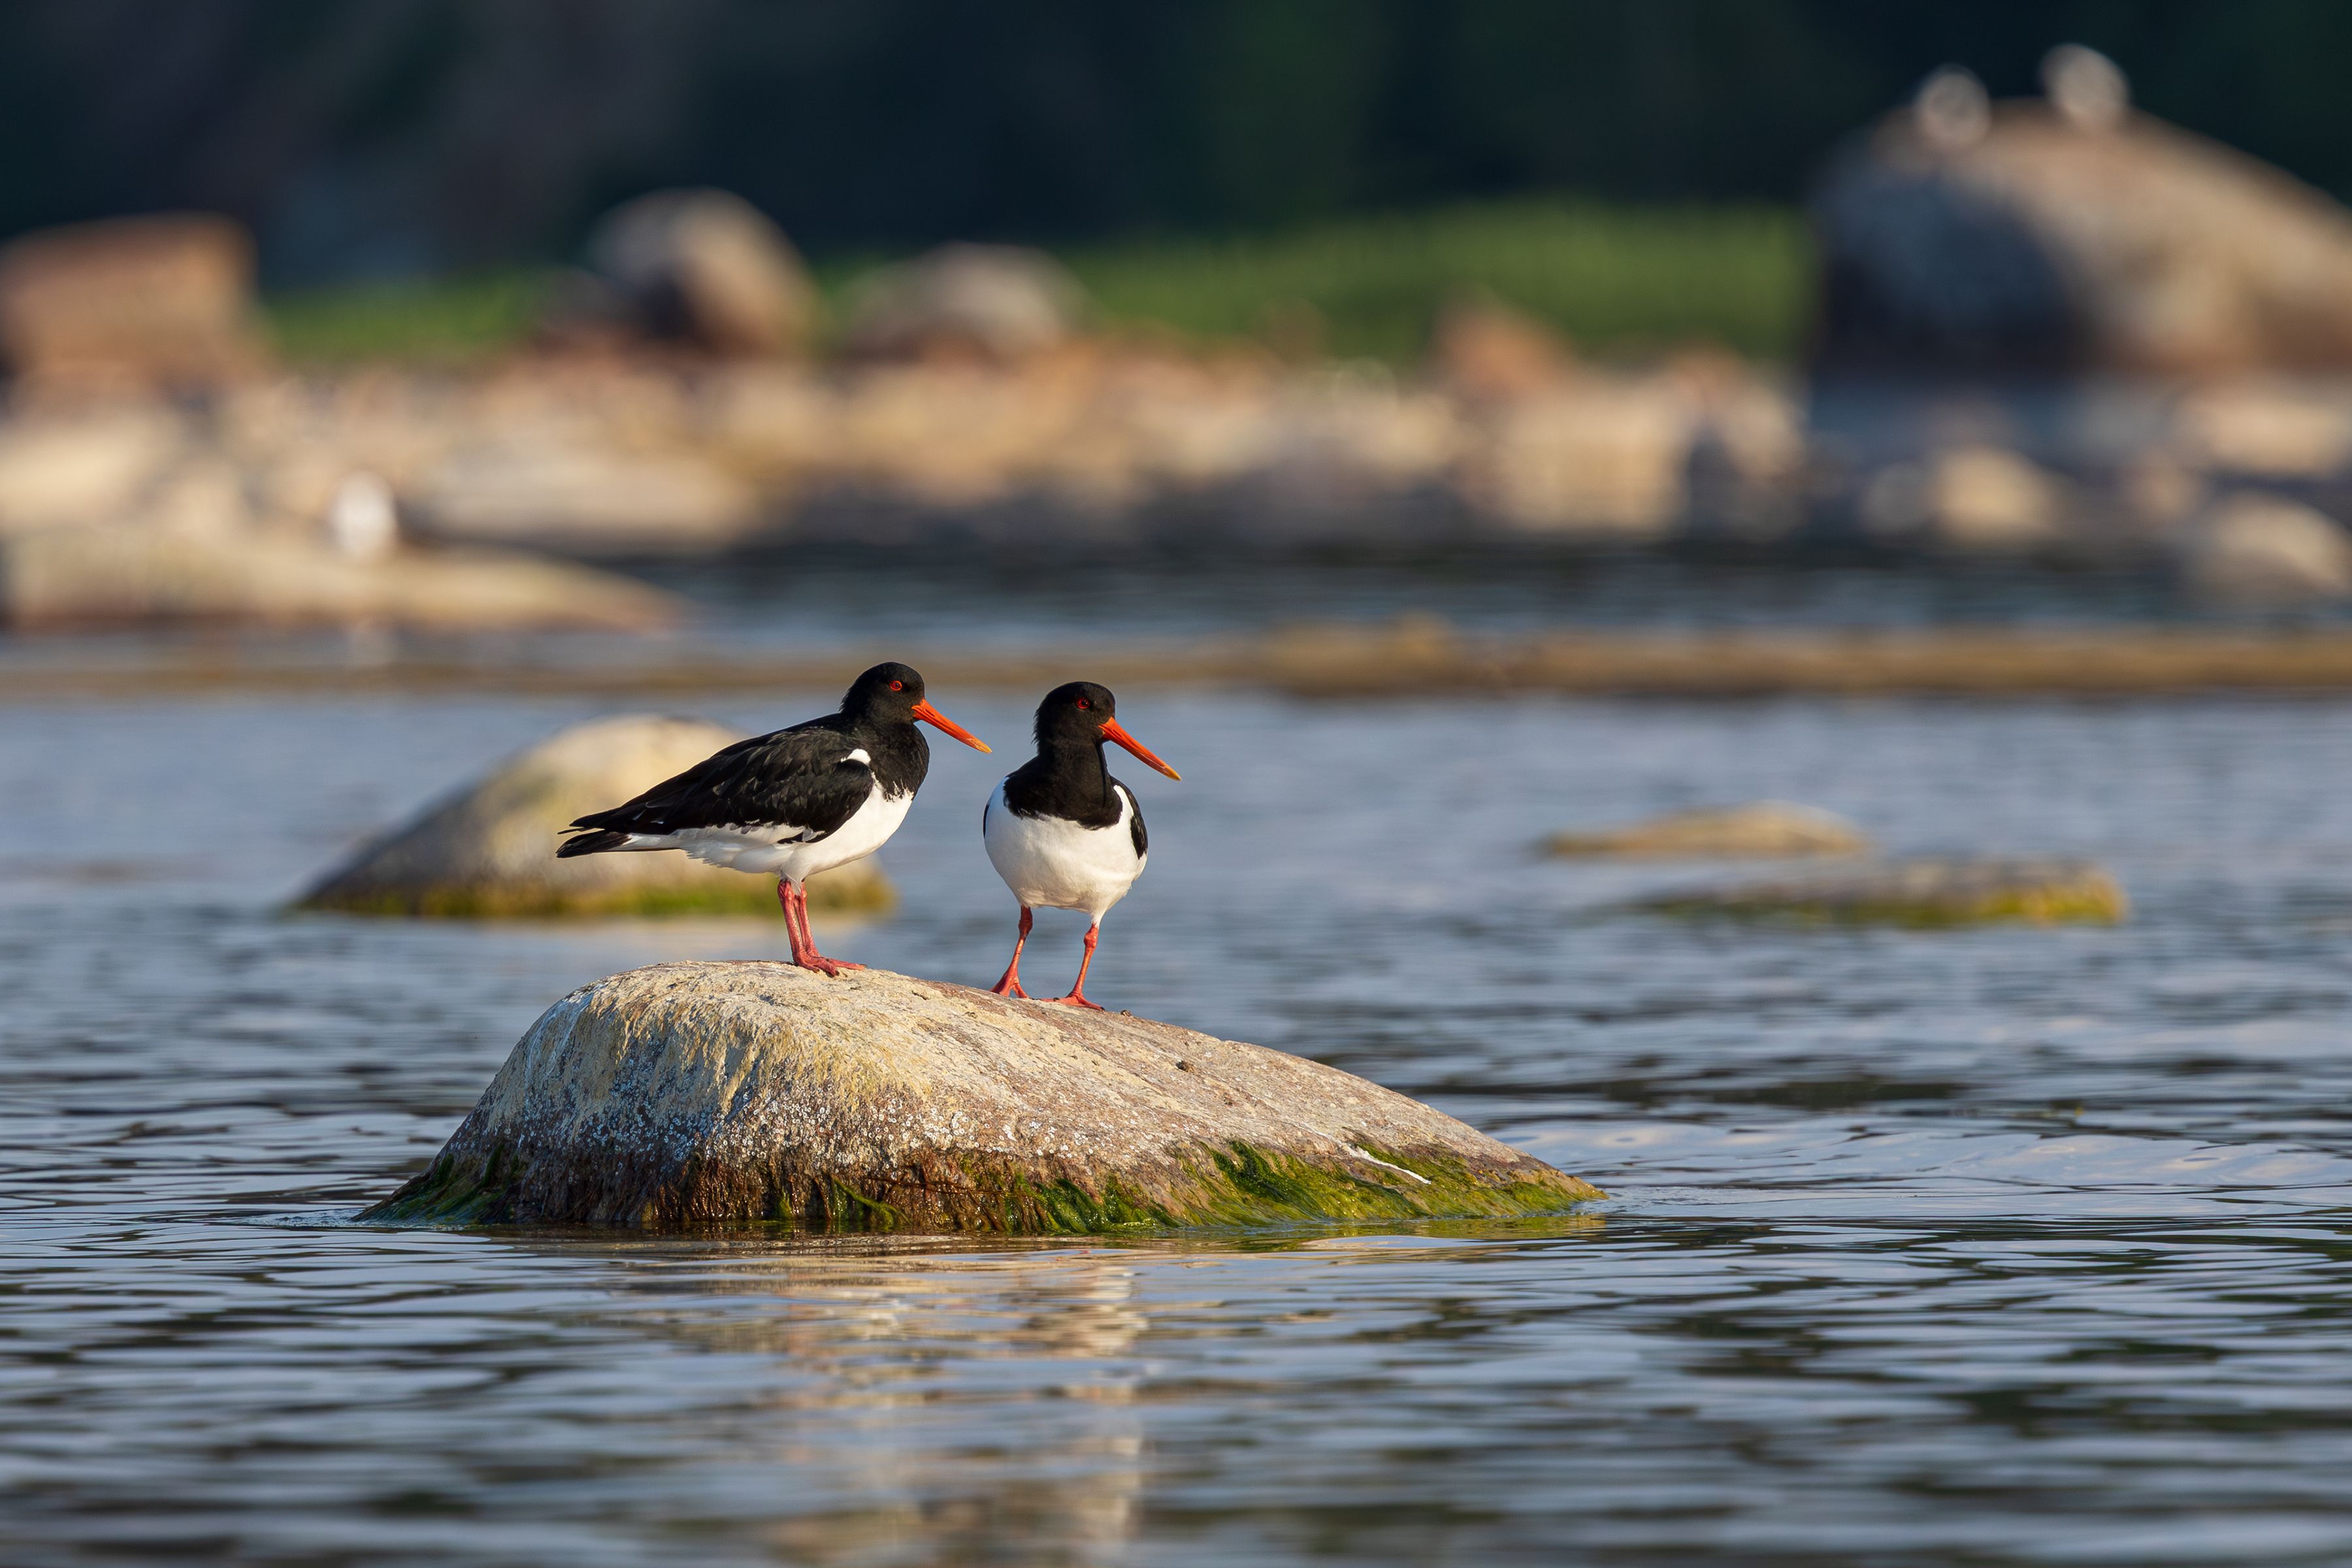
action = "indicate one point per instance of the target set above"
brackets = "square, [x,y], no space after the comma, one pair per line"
[708,268]
[1763,829]
[686,1093]
[490,850]
[1923,893]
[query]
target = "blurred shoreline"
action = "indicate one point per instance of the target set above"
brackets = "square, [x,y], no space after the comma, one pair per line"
[1411,658]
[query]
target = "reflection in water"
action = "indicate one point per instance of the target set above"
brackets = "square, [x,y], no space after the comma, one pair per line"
[1991,1247]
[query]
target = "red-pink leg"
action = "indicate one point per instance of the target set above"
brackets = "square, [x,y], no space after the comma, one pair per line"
[1078,996]
[804,952]
[1011,984]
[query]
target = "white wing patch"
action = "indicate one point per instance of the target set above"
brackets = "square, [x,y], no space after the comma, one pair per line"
[859,755]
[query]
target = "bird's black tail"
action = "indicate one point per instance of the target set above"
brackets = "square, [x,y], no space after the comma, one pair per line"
[595,843]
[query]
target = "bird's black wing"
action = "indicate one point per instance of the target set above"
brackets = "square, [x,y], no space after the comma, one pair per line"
[803,781]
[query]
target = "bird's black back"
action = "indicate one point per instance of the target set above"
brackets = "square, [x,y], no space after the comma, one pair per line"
[801,777]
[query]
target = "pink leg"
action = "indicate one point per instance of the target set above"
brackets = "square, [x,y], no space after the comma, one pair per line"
[1011,984]
[1078,996]
[804,952]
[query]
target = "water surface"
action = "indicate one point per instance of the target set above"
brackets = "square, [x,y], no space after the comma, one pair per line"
[1993,1246]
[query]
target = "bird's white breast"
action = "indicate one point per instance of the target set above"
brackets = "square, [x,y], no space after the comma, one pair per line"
[1050,862]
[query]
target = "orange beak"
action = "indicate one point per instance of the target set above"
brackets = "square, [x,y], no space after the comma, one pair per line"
[1111,732]
[938,721]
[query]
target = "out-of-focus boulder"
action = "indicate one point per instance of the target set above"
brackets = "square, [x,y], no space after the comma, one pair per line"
[986,302]
[1603,457]
[569,496]
[1922,893]
[1764,829]
[705,267]
[2072,235]
[162,301]
[1971,498]
[58,470]
[489,849]
[1481,348]
[133,575]
[2267,550]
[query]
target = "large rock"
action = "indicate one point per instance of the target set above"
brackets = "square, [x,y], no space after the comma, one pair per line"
[137,575]
[1764,829]
[489,849]
[2072,235]
[707,268]
[988,302]
[165,299]
[714,1093]
[1928,892]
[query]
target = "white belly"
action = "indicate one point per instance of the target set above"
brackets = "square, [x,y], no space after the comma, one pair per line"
[755,849]
[1051,863]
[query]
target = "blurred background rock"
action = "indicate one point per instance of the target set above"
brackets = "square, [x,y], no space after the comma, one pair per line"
[2048,286]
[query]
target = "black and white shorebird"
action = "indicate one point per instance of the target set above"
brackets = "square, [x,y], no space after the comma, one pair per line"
[1060,830]
[795,803]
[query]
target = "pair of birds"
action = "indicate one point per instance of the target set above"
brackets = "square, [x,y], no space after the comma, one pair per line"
[1060,830]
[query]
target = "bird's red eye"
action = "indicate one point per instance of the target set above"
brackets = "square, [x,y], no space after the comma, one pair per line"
[1084,703]
[898,686]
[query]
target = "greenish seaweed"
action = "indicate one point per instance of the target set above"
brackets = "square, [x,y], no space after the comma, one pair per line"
[1236,1185]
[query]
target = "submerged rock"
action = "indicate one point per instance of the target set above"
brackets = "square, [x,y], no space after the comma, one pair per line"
[488,851]
[715,1092]
[1764,828]
[1923,893]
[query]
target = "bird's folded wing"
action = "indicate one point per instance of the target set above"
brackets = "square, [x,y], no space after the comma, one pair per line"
[795,785]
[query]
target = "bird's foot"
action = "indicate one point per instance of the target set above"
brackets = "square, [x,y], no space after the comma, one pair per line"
[1074,1000]
[1008,986]
[834,967]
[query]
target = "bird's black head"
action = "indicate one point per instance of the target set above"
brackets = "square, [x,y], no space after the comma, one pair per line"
[1082,713]
[893,694]
[887,693]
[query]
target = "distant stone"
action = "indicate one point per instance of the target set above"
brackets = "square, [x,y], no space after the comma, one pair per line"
[1928,892]
[573,497]
[983,302]
[1972,499]
[162,301]
[1764,829]
[1481,348]
[2254,549]
[129,575]
[488,851]
[705,267]
[2072,236]
[699,1093]
[61,471]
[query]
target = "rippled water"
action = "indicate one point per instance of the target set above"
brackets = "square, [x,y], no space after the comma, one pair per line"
[1994,1247]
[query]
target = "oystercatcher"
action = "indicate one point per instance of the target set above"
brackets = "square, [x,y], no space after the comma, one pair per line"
[1060,830]
[795,803]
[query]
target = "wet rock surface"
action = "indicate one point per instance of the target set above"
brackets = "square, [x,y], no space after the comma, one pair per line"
[488,851]
[1762,829]
[687,1093]
[1925,892]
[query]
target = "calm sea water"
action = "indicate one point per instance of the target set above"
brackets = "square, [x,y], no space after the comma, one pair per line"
[1979,1248]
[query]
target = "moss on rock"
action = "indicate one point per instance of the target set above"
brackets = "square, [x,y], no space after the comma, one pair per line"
[1922,894]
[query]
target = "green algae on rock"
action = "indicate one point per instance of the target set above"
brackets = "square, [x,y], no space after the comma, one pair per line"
[699,1093]
[1762,829]
[488,851]
[1923,893]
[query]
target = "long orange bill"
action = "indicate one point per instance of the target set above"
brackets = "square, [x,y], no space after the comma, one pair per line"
[938,721]
[1111,732]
